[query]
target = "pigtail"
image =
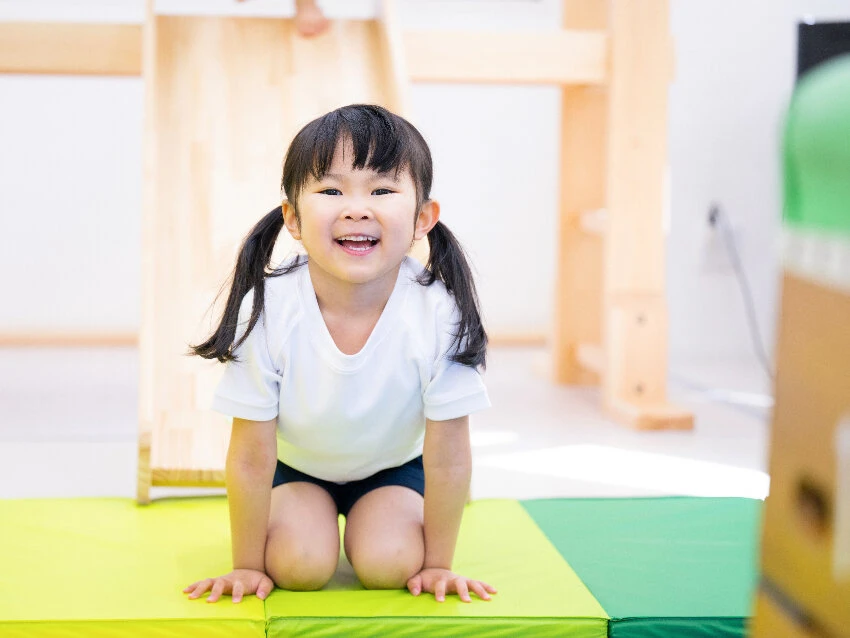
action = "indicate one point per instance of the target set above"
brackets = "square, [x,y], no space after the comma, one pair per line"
[447,262]
[250,272]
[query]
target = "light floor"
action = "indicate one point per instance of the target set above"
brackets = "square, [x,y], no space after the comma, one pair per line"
[68,418]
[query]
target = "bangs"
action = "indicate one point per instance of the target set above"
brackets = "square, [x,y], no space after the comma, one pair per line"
[376,142]
[381,141]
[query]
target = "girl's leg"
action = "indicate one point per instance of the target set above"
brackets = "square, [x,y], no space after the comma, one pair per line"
[383,537]
[302,548]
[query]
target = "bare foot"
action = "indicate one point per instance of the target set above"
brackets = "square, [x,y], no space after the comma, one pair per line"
[309,19]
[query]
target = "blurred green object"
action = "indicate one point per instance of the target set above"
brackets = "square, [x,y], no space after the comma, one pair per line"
[817,151]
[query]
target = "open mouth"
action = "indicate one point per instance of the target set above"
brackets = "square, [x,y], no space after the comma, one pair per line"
[357,244]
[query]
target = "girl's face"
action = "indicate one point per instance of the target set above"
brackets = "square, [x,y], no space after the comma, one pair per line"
[357,225]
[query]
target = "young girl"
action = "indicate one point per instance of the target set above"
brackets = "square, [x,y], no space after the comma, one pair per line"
[350,374]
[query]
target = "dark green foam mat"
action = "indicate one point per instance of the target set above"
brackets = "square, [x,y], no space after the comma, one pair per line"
[661,567]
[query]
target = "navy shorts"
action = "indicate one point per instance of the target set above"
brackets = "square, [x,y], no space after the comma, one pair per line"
[411,475]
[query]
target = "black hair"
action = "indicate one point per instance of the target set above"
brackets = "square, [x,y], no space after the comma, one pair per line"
[383,142]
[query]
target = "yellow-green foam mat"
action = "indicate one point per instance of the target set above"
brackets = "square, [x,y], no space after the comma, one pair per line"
[539,594]
[661,567]
[106,567]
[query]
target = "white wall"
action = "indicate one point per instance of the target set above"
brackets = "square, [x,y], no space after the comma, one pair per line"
[735,68]
[70,168]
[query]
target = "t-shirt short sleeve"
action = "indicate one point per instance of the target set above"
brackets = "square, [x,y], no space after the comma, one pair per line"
[250,386]
[454,390]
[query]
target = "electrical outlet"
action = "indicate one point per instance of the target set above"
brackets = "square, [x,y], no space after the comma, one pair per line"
[716,257]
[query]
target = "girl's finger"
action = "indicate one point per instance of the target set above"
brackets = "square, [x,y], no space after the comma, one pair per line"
[190,587]
[440,590]
[462,590]
[201,587]
[478,588]
[414,585]
[264,588]
[238,590]
[216,591]
[489,588]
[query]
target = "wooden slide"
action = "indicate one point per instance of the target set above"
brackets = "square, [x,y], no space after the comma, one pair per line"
[224,96]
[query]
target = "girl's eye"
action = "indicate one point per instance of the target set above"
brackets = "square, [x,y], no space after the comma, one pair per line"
[382,191]
[331,191]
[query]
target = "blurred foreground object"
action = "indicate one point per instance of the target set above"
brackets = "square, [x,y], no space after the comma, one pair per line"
[805,588]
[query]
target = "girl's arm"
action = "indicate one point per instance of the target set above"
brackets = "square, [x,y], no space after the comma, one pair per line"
[448,467]
[251,460]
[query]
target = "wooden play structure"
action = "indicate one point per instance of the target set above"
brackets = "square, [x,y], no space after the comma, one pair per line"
[224,95]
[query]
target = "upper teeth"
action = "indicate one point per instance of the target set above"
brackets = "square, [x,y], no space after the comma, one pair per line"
[357,238]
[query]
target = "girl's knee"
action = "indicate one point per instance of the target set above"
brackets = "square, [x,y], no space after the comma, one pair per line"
[299,566]
[387,567]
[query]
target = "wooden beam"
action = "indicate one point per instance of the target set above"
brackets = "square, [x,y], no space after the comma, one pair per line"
[70,48]
[62,339]
[544,57]
[539,57]
[517,339]
[50,339]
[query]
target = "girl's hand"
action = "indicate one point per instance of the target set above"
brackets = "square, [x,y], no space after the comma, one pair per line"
[237,583]
[442,581]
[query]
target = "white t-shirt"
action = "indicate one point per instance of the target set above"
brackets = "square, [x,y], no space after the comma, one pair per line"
[344,417]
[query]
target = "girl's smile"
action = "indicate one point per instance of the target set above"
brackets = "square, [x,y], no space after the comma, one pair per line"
[357,244]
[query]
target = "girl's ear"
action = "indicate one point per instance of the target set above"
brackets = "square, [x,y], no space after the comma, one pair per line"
[290,219]
[428,217]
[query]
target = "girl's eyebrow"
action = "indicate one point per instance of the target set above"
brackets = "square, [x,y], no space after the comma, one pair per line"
[390,175]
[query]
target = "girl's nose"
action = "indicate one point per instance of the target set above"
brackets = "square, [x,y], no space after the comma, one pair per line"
[357,211]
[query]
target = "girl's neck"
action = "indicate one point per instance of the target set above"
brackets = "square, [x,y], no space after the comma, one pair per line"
[340,298]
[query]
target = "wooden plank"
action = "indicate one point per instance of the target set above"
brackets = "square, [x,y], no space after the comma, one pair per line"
[147,407]
[535,57]
[578,276]
[51,339]
[70,48]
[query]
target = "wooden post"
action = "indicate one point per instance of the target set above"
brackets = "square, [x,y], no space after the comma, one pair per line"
[578,279]
[634,306]
[147,409]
